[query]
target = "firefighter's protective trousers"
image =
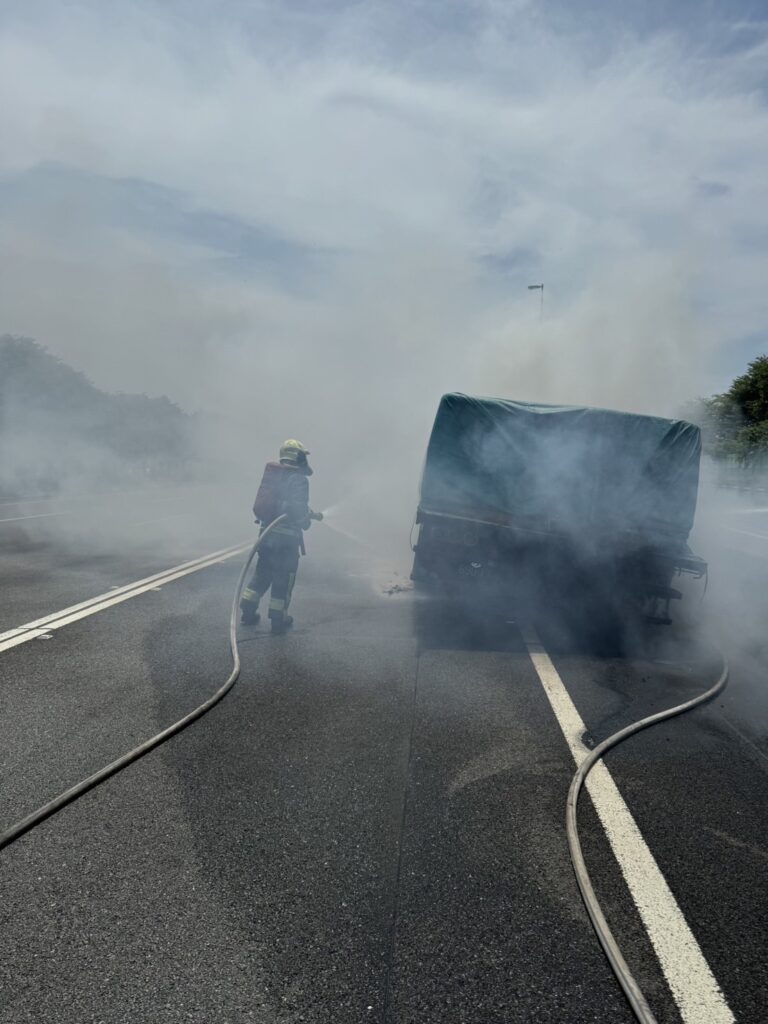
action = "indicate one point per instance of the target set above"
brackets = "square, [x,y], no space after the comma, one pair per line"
[276,568]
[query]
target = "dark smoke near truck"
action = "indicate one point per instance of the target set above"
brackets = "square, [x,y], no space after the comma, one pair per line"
[561,500]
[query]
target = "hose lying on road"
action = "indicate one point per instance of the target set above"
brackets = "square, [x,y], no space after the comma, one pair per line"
[26,824]
[631,989]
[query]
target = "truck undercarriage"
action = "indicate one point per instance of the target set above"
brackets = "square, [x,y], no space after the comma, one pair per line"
[454,553]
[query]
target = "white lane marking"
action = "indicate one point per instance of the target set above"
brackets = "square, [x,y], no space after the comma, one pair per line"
[144,522]
[160,519]
[28,501]
[695,990]
[40,515]
[213,556]
[39,627]
[65,499]
[747,533]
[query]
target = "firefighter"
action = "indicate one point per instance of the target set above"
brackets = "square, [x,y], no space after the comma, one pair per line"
[284,489]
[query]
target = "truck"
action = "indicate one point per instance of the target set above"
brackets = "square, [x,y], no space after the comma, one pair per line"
[560,500]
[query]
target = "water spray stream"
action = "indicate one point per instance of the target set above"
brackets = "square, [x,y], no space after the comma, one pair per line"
[331,512]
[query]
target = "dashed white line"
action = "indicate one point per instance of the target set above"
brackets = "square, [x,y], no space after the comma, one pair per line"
[688,974]
[40,627]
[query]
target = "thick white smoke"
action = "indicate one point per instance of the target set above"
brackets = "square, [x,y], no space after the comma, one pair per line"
[314,222]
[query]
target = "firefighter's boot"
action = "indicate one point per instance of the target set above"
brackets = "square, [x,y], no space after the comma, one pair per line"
[249,614]
[281,622]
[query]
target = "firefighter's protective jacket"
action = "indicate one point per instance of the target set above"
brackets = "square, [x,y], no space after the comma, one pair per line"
[284,490]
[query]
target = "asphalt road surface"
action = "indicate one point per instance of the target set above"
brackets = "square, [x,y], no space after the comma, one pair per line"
[370,827]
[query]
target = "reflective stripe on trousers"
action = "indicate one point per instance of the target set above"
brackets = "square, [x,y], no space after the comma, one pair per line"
[280,604]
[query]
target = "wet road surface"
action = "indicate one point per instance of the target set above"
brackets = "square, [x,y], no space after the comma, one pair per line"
[370,827]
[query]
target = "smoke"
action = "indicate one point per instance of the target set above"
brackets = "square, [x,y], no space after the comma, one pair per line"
[632,342]
[313,223]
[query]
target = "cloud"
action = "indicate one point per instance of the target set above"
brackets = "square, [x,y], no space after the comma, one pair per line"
[331,212]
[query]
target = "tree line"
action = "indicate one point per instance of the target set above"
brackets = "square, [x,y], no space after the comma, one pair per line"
[55,423]
[734,424]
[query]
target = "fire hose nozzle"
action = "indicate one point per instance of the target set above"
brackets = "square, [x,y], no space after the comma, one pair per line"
[317,516]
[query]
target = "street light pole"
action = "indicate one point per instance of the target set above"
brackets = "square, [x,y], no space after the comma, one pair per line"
[539,288]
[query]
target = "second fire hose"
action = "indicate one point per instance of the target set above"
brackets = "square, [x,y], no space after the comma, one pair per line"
[632,990]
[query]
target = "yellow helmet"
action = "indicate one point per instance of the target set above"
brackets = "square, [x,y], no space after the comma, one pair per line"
[293,452]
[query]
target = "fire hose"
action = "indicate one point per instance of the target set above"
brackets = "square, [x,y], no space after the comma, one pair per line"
[631,989]
[20,828]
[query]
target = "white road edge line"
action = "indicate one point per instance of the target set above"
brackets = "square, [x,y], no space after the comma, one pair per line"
[37,628]
[38,515]
[694,988]
[747,533]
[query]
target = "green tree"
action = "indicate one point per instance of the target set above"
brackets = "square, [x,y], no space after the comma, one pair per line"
[735,422]
[750,392]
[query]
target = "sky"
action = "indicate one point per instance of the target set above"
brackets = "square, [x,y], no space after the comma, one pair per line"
[315,217]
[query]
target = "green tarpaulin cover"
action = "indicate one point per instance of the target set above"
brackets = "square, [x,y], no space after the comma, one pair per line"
[562,468]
